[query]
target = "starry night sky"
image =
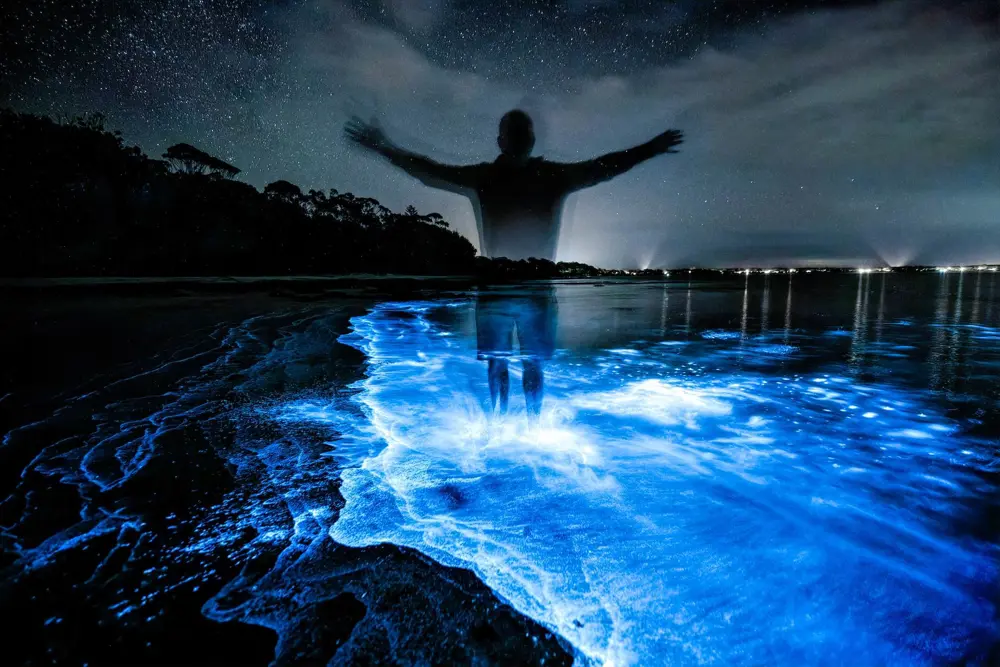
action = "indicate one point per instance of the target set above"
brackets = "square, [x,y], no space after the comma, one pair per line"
[822,132]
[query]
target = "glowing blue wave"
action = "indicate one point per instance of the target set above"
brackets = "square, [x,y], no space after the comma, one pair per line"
[666,513]
[682,502]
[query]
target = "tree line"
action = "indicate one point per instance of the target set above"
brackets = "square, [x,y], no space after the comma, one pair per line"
[77,201]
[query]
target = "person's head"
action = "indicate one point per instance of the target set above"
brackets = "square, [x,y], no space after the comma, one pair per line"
[517,134]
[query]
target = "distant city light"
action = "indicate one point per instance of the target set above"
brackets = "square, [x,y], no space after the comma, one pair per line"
[861,270]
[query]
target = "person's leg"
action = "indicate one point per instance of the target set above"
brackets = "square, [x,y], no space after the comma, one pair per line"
[494,334]
[532,380]
[499,380]
[536,315]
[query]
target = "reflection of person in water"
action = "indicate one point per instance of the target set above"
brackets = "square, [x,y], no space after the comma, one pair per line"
[518,202]
[532,313]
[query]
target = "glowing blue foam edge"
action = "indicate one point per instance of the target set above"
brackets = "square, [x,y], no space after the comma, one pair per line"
[658,515]
[668,508]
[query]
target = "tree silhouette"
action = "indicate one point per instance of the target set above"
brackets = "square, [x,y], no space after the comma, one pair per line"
[283,190]
[190,160]
[436,219]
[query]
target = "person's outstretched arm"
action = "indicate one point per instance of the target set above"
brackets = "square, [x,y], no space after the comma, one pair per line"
[591,172]
[437,175]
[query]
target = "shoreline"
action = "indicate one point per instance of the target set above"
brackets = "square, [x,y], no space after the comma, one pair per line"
[341,285]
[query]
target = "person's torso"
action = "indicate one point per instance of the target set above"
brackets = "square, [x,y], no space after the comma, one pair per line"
[521,206]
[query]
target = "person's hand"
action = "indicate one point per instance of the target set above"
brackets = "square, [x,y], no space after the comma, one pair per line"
[368,135]
[663,143]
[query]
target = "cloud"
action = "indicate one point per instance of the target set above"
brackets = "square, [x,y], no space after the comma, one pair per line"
[888,87]
[421,16]
[842,122]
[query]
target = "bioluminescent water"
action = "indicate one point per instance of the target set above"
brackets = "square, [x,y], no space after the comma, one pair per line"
[730,474]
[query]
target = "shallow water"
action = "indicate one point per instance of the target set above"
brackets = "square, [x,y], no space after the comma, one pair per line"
[778,470]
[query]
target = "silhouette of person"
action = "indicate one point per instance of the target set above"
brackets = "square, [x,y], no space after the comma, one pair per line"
[518,201]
